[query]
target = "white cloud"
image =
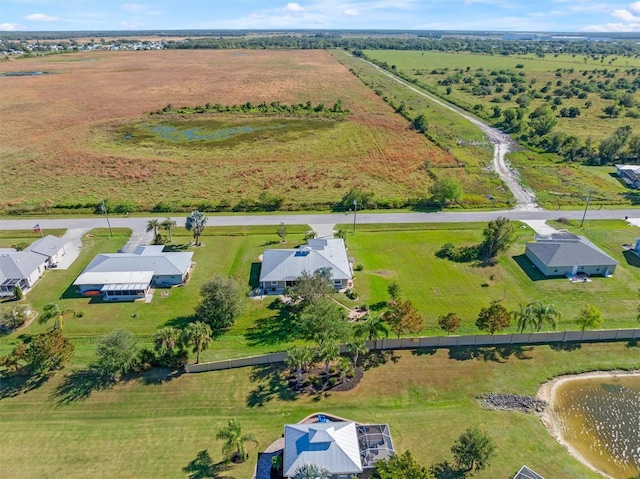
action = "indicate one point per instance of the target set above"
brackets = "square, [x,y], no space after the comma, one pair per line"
[351,12]
[132,7]
[613,27]
[293,7]
[11,27]
[41,17]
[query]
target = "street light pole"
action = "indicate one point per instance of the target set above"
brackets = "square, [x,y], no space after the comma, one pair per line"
[585,209]
[103,208]
[355,213]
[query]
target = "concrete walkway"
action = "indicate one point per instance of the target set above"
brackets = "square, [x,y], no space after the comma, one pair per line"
[324,231]
[541,227]
[72,247]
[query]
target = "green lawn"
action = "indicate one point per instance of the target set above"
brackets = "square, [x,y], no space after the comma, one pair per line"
[406,254]
[153,426]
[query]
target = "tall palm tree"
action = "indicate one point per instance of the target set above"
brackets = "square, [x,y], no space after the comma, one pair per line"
[328,351]
[356,348]
[168,225]
[297,358]
[52,310]
[235,443]
[166,339]
[199,335]
[373,328]
[196,222]
[345,367]
[545,313]
[311,471]
[153,225]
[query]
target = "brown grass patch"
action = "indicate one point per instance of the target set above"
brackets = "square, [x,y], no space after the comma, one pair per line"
[52,154]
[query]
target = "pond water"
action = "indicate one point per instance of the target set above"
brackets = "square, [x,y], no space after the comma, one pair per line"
[24,74]
[600,418]
[172,133]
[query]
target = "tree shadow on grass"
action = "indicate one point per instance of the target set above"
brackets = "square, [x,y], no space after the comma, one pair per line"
[566,346]
[180,322]
[424,351]
[271,382]
[375,359]
[379,306]
[495,353]
[12,385]
[272,329]
[78,385]
[203,467]
[171,248]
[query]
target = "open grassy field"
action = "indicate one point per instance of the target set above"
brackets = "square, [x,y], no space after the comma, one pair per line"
[592,122]
[78,112]
[152,426]
[555,182]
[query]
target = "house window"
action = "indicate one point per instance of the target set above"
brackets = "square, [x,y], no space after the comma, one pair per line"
[274,283]
[598,269]
[581,267]
[555,270]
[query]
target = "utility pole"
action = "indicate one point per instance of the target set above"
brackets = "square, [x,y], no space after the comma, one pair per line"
[355,213]
[585,209]
[103,208]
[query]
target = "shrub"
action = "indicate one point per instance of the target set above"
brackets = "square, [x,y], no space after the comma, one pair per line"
[358,267]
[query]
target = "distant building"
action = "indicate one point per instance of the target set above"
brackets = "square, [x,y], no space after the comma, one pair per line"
[282,267]
[630,174]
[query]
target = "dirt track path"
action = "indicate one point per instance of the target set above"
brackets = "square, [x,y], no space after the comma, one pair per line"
[502,144]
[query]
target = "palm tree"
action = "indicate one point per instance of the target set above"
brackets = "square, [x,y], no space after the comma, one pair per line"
[356,348]
[153,225]
[545,313]
[235,443]
[328,351]
[345,367]
[52,310]
[373,328]
[311,471]
[199,334]
[168,225]
[297,358]
[196,222]
[166,339]
[524,317]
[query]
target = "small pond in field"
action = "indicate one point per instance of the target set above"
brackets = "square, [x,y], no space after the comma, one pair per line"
[179,134]
[599,417]
[25,74]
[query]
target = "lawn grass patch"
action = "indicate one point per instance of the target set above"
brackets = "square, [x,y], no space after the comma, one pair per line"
[154,425]
[9,238]
[406,254]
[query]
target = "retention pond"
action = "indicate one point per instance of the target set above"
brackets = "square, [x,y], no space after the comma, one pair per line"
[598,418]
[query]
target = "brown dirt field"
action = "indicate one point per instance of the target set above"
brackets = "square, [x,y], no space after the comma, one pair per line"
[47,142]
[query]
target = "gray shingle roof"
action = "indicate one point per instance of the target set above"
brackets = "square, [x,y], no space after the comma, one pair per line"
[19,265]
[332,445]
[567,252]
[289,264]
[47,246]
[526,473]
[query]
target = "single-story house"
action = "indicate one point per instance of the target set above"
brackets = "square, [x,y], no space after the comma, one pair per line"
[343,447]
[127,276]
[565,254]
[22,268]
[526,473]
[50,247]
[282,267]
[630,174]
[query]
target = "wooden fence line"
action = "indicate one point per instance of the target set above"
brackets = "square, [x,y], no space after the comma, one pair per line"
[476,340]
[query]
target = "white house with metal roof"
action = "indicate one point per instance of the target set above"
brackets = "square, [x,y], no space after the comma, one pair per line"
[526,473]
[282,267]
[565,254]
[127,276]
[50,247]
[630,174]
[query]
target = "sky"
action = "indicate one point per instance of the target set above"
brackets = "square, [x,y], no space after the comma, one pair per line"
[493,15]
